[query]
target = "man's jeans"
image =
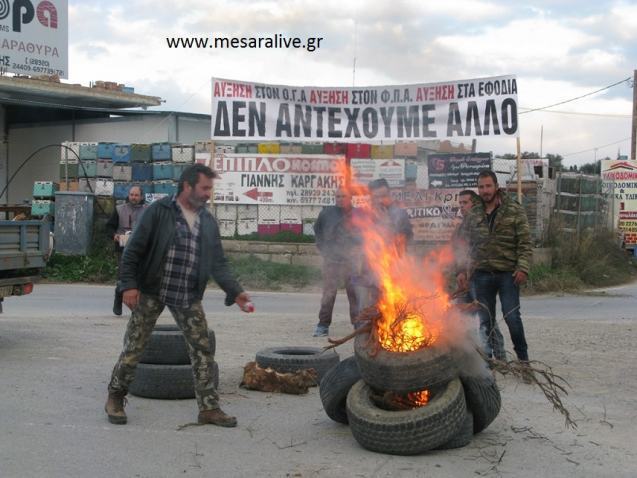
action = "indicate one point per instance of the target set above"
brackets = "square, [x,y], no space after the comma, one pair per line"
[336,274]
[485,287]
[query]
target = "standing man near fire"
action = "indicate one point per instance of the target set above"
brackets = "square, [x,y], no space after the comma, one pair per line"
[498,235]
[174,250]
[122,222]
[393,226]
[336,241]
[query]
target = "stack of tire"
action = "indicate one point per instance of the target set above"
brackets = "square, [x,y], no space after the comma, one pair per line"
[286,359]
[164,370]
[459,405]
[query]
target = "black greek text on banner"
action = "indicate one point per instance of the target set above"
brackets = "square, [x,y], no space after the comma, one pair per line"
[454,109]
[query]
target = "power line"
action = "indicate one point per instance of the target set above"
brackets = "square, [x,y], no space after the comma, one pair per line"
[577,97]
[610,115]
[596,147]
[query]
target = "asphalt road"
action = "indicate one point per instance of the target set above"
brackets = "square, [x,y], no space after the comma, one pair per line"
[58,345]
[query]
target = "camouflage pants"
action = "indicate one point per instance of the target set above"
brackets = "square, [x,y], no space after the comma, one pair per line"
[193,324]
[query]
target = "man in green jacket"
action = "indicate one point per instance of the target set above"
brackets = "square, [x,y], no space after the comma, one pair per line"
[173,251]
[497,232]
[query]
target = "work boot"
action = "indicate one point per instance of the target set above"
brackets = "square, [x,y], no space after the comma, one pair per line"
[117,304]
[114,408]
[216,417]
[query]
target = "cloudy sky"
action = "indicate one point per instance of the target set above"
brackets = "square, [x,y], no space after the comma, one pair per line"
[558,49]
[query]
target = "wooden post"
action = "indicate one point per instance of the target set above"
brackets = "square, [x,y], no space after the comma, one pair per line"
[519,166]
[633,139]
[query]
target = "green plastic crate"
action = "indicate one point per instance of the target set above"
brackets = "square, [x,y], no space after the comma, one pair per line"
[88,169]
[140,153]
[88,151]
[69,169]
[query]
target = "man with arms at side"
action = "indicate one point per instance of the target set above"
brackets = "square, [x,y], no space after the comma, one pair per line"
[167,262]
[498,235]
[122,222]
[337,243]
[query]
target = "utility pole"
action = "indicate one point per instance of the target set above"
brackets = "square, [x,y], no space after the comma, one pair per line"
[633,143]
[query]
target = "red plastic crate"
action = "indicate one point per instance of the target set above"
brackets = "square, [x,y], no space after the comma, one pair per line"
[294,228]
[359,150]
[335,148]
[268,229]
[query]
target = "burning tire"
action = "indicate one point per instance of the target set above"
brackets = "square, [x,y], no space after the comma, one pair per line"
[334,387]
[167,345]
[483,399]
[167,381]
[402,372]
[464,435]
[291,359]
[406,432]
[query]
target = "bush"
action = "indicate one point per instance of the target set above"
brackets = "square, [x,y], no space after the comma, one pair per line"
[254,273]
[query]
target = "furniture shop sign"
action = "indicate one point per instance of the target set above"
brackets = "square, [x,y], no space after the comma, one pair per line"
[620,180]
[434,213]
[427,111]
[34,37]
[291,180]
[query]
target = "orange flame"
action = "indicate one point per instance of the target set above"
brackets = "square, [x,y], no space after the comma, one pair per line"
[419,399]
[412,298]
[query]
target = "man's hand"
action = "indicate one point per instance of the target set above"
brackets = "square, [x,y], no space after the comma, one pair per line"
[116,237]
[243,301]
[131,298]
[461,280]
[520,277]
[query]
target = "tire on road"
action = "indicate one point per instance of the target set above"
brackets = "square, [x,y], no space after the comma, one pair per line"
[291,359]
[167,345]
[483,399]
[464,435]
[335,386]
[169,382]
[406,432]
[402,372]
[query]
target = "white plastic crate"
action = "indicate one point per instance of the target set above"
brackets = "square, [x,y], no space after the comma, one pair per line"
[183,154]
[104,187]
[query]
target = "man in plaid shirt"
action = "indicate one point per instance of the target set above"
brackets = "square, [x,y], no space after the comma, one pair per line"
[167,262]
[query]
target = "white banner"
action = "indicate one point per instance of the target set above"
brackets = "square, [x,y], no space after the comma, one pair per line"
[449,110]
[309,180]
[34,37]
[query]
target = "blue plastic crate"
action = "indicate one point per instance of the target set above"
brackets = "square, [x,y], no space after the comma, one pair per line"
[178,169]
[165,187]
[88,151]
[161,152]
[120,189]
[142,172]
[147,188]
[162,170]
[105,150]
[121,153]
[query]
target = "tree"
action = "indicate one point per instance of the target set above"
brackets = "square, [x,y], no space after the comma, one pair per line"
[555,161]
[591,168]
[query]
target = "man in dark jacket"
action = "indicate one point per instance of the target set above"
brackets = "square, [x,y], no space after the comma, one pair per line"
[336,241]
[173,251]
[498,235]
[119,226]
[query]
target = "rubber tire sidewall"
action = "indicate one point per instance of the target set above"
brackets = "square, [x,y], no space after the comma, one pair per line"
[292,359]
[402,372]
[167,345]
[169,382]
[334,387]
[406,432]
